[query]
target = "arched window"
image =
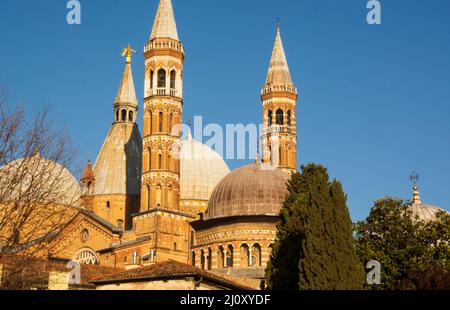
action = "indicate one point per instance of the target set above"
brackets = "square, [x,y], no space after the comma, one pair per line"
[255,259]
[161,78]
[202,259]
[221,257]
[130,116]
[173,75]
[120,224]
[174,246]
[124,115]
[169,196]
[280,157]
[149,158]
[152,74]
[245,252]
[289,116]
[161,121]
[280,117]
[158,195]
[209,259]
[229,259]
[117,115]
[150,129]
[160,161]
[149,197]
[171,122]
[269,116]
[193,259]
[108,206]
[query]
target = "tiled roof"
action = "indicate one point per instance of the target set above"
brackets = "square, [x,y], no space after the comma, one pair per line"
[166,270]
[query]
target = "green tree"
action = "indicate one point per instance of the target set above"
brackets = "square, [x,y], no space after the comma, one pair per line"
[315,246]
[408,249]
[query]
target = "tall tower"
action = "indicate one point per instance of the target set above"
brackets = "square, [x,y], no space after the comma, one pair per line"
[279,98]
[160,213]
[111,188]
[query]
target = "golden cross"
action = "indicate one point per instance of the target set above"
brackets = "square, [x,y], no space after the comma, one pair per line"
[128,52]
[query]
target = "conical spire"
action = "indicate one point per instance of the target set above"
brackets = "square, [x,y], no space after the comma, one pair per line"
[278,71]
[127,93]
[165,25]
[88,174]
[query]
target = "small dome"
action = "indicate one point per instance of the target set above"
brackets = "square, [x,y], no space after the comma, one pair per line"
[249,190]
[45,175]
[426,213]
[201,170]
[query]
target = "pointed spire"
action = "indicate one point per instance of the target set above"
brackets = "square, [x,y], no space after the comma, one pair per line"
[88,174]
[165,25]
[278,71]
[127,93]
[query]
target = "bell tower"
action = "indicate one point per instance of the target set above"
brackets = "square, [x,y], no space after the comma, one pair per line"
[279,99]
[160,214]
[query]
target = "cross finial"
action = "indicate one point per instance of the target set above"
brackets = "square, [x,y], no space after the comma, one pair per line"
[278,24]
[414,178]
[128,52]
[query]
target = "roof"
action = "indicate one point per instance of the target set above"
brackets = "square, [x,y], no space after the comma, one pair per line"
[101,221]
[279,73]
[117,170]
[165,25]
[166,270]
[249,191]
[88,174]
[126,243]
[201,170]
[126,95]
[38,270]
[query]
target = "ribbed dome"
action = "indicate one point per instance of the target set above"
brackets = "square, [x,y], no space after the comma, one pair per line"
[49,180]
[201,170]
[426,213]
[117,170]
[249,190]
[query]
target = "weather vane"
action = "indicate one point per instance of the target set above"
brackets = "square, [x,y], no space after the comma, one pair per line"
[128,52]
[414,178]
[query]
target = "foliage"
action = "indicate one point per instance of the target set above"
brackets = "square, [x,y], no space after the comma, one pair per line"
[314,247]
[408,249]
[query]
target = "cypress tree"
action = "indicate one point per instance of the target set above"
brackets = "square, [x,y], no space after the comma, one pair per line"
[315,246]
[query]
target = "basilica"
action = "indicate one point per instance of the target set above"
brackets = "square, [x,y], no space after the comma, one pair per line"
[152,197]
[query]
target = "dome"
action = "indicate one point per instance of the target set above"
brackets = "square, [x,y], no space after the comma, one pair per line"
[201,170]
[117,170]
[249,190]
[424,212]
[45,175]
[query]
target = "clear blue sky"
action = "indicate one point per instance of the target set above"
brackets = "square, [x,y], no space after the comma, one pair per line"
[374,103]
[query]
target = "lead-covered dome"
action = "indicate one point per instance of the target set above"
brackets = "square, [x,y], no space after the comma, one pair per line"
[249,190]
[201,170]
